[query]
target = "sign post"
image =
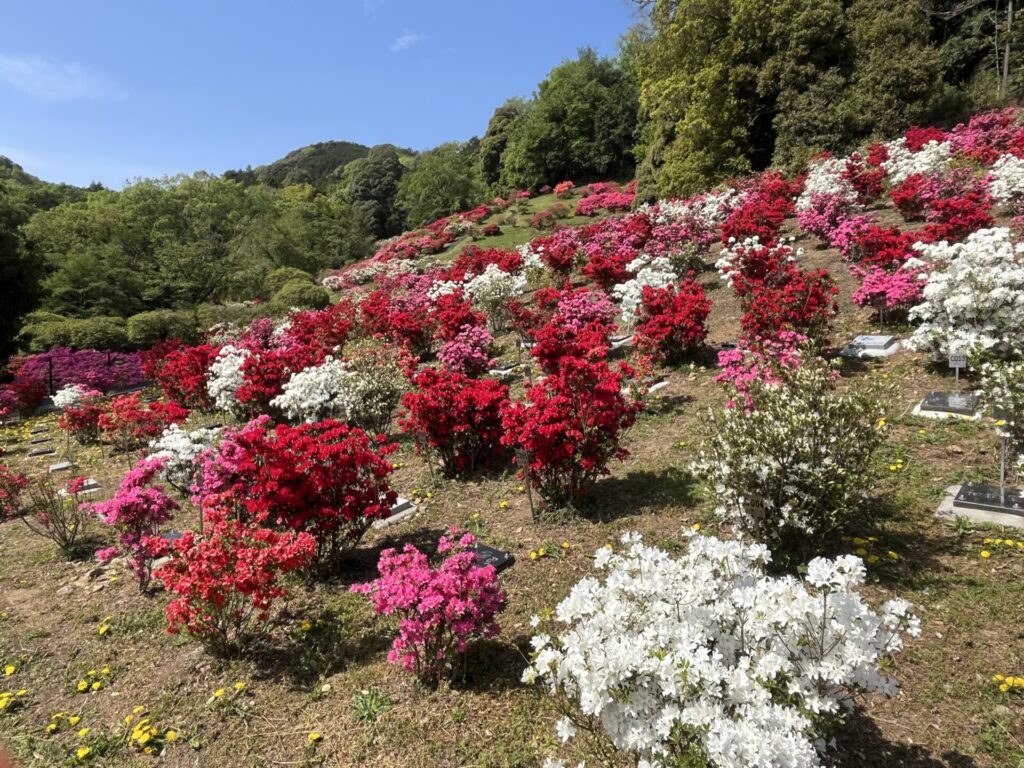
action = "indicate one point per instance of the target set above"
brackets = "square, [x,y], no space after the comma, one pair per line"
[957,360]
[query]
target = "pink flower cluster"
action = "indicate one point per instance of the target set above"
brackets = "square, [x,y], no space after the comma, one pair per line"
[470,352]
[758,362]
[439,609]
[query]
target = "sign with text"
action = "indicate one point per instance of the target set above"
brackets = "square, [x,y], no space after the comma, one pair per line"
[958,360]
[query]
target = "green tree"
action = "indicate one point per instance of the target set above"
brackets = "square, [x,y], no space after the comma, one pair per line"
[375,187]
[492,145]
[581,125]
[440,182]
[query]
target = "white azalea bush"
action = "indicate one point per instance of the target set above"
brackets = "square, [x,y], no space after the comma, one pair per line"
[180,448]
[225,377]
[1006,180]
[792,466]
[826,176]
[73,394]
[973,295]
[491,290]
[364,389]
[705,657]
[902,162]
[657,272]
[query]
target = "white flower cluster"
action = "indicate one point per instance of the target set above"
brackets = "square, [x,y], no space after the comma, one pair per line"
[457,226]
[225,377]
[441,288]
[794,463]
[72,394]
[332,283]
[826,177]
[705,652]
[706,211]
[313,394]
[973,297]
[656,272]
[532,262]
[933,156]
[491,289]
[180,448]
[1006,179]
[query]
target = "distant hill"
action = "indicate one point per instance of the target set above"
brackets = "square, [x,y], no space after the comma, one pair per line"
[307,165]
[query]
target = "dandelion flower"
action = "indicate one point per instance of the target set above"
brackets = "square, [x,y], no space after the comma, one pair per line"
[985,554]
[314,737]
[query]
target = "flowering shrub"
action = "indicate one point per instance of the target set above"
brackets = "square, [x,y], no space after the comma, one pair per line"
[225,376]
[673,321]
[11,486]
[758,362]
[654,272]
[558,251]
[907,197]
[181,374]
[791,468]
[136,510]
[763,206]
[954,218]
[130,423]
[563,188]
[905,159]
[453,312]
[102,370]
[82,422]
[53,513]
[470,352]
[178,452]
[570,427]
[973,297]
[795,300]
[439,610]
[554,342]
[609,201]
[490,292]
[576,309]
[456,416]
[705,657]
[266,371]
[401,319]
[73,394]
[225,583]
[745,265]
[325,478]
[887,291]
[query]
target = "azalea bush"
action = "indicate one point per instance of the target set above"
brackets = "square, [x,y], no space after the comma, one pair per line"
[471,352]
[224,377]
[181,375]
[490,293]
[225,584]
[973,298]
[178,451]
[12,484]
[52,511]
[793,300]
[130,423]
[136,511]
[672,321]
[82,421]
[440,609]
[570,427]
[456,417]
[326,479]
[1002,383]
[705,659]
[758,362]
[791,468]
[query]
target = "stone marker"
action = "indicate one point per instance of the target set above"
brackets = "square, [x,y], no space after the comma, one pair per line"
[491,556]
[941,405]
[504,370]
[45,451]
[62,466]
[869,345]
[984,503]
[656,387]
[89,486]
[400,510]
[621,341]
[39,441]
[38,430]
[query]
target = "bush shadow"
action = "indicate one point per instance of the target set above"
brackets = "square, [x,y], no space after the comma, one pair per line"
[861,744]
[616,497]
[493,665]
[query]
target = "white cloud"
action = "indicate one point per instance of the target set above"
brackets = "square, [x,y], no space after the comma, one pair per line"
[56,81]
[406,41]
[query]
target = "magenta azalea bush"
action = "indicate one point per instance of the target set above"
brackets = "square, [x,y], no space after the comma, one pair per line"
[440,610]
[470,352]
[136,510]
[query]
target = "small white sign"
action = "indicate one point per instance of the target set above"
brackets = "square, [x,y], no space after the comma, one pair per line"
[957,360]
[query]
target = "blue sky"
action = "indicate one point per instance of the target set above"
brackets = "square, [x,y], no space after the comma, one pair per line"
[117,89]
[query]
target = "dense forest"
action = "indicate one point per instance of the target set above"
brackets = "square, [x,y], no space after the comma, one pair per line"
[162,257]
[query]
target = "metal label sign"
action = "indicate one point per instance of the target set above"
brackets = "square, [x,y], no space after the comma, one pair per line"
[957,360]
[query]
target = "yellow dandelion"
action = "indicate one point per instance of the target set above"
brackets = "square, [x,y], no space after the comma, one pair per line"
[314,737]
[83,686]
[695,527]
[171,736]
[305,626]
[83,732]
[1004,687]
[565,545]
[138,710]
[51,728]
[892,555]
[218,693]
[74,720]
[502,505]
[533,555]
[97,685]
[240,685]
[10,669]
[520,488]
[104,628]
[83,752]
[985,554]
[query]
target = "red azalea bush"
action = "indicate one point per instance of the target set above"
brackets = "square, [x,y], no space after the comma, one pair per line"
[473,261]
[672,321]
[916,136]
[746,265]
[439,609]
[608,201]
[866,179]
[954,218]
[326,478]
[881,247]
[570,427]
[554,342]
[769,199]
[181,374]
[226,582]
[490,230]
[323,329]
[796,300]
[266,371]
[606,268]
[558,251]
[11,486]
[907,197]
[82,421]
[400,322]
[130,423]
[453,312]
[456,416]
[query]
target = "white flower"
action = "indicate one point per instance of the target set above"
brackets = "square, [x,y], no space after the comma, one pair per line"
[826,176]
[72,394]
[933,156]
[1006,179]
[225,377]
[180,448]
[702,645]
[655,272]
[490,291]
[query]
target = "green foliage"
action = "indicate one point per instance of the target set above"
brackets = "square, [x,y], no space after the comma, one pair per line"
[374,189]
[307,165]
[277,279]
[236,313]
[147,328]
[440,182]
[581,125]
[77,333]
[495,140]
[300,295]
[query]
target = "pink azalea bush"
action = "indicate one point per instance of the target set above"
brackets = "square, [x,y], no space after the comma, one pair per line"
[440,609]
[888,291]
[759,363]
[471,352]
[136,510]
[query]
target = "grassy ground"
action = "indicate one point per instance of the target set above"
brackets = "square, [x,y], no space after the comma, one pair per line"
[324,668]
